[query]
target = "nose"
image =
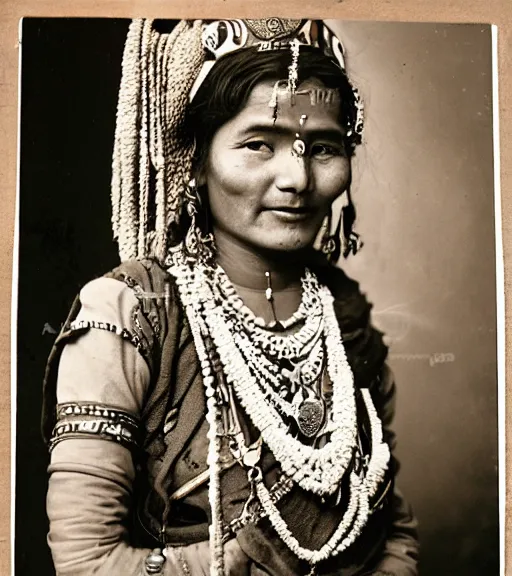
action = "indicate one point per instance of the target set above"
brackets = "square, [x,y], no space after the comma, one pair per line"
[293,173]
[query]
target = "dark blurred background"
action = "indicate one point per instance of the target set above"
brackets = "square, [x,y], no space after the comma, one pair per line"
[423,187]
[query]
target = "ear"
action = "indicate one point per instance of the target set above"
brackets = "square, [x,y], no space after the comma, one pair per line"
[199,173]
[345,198]
[201,178]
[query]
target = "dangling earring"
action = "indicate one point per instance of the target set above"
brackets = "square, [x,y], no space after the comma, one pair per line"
[331,240]
[343,239]
[198,247]
[352,242]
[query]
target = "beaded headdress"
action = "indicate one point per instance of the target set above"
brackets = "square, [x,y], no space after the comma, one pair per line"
[161,73]
[224,36]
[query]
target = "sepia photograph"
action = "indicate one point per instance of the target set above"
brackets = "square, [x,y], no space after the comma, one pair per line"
[257,320]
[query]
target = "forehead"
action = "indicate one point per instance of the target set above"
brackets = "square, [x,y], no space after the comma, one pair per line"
[320,105]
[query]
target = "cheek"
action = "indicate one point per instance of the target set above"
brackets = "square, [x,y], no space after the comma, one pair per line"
[224,178]
[224,184]
[332,180]
[231,199]
[229,171]
[235,183]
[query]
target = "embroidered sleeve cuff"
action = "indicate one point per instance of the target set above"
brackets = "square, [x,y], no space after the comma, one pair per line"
[82,420]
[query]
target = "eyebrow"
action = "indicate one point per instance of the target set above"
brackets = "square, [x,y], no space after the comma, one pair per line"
[333,134]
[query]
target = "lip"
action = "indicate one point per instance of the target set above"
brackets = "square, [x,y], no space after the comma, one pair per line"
[291,213]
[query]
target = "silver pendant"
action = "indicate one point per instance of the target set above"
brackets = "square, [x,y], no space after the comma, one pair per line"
[299,147]
[310,417]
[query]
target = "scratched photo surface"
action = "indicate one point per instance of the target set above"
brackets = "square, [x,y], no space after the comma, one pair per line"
[423,188]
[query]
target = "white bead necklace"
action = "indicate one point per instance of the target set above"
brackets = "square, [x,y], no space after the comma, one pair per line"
[282,346]
[259,366]
[320,471]
[358,509]
[316,470]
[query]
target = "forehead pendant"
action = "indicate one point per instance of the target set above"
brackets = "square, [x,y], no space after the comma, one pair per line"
[299,146]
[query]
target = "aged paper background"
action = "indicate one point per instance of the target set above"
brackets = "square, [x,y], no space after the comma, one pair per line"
[498,12]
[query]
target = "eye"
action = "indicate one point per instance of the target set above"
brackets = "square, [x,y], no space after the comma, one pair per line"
[326,150]
[259,146]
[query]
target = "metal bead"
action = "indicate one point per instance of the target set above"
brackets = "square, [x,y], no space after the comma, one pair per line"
[155,562]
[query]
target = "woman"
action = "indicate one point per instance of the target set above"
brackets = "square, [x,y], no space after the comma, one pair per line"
[219,403]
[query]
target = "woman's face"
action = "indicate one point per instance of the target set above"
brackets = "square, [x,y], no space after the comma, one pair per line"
[262,195]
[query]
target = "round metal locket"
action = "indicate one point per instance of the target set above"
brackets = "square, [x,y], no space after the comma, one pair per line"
[311,414]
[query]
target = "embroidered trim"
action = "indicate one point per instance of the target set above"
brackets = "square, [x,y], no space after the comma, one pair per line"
[277,492]
[131,283]
[143,295]
[139,331]
[87,420]
[124,333]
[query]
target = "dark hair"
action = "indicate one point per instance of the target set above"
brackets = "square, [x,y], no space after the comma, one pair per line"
[227,87]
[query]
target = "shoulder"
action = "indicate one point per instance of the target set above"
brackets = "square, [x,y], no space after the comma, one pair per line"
[135,301]
[144,274]
[134,288]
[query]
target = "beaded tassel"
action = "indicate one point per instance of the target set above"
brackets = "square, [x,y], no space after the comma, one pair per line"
[126,145]
[158,71]
[293,70]
[147,64]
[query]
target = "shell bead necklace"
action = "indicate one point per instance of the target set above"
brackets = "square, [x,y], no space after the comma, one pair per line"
[248,354]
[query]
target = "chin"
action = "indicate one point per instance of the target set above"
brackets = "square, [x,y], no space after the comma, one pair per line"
[289,245]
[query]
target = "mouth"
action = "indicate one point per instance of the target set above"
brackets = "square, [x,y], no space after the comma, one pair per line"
[292,213]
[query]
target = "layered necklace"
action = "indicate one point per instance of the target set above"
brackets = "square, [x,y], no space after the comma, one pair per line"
[276,377]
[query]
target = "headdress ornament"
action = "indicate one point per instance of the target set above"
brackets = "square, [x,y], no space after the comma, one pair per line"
[161,73]
[221,37]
